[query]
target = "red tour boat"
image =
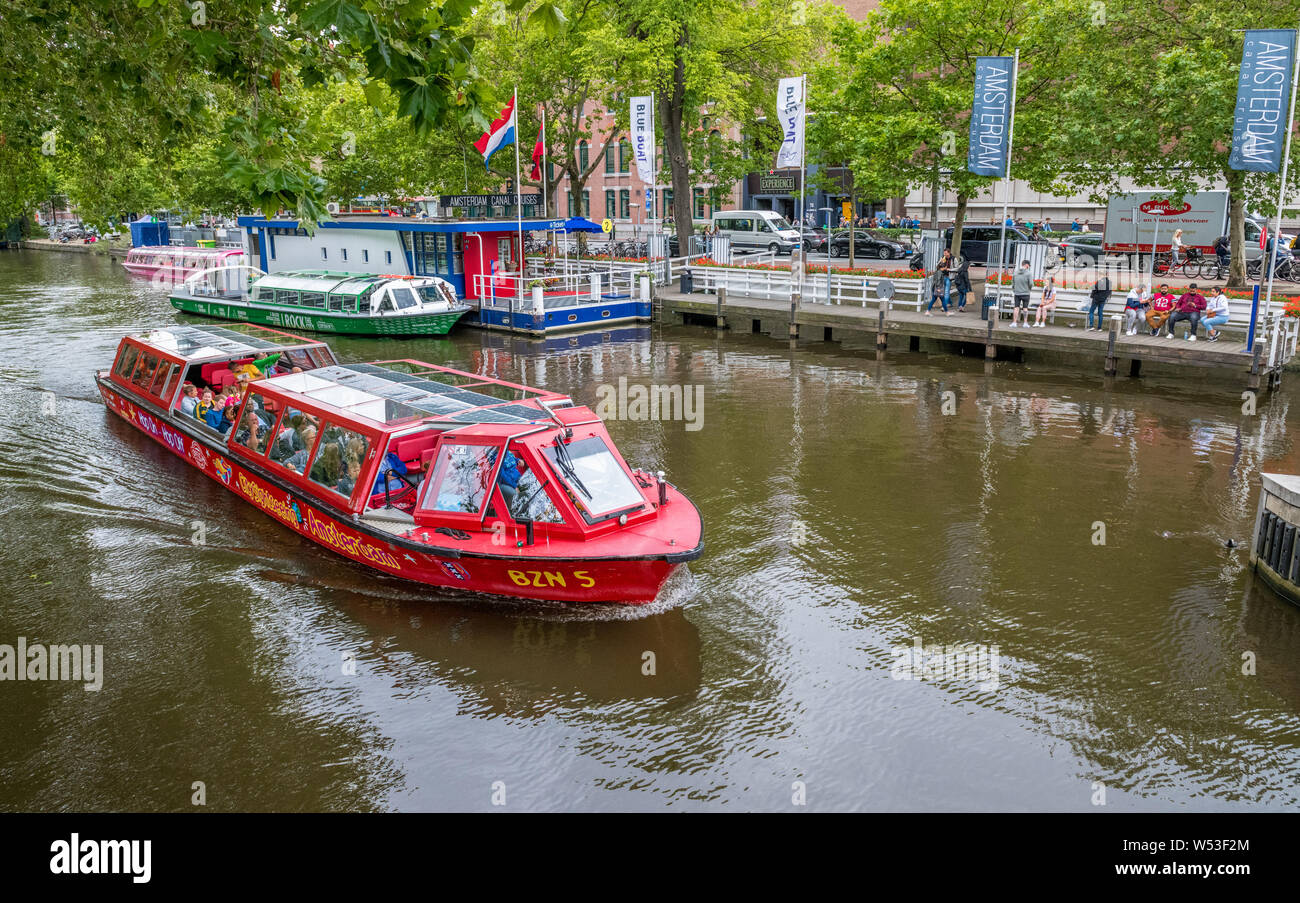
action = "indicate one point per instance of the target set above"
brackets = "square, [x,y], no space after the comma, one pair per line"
[426,473]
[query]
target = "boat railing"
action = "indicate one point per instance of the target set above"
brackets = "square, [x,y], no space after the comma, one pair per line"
[544,291]
[228,282]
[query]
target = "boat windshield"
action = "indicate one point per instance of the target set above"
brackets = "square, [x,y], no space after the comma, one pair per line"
[594,477]
[404,297]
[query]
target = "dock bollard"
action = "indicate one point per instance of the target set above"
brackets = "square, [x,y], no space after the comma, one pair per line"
[882,339]
[990,349]
[722,304]
[794,306]
[1112,335]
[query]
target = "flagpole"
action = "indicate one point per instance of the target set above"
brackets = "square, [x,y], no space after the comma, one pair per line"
[654,175]
[519,206]
[1271,257]
[1006,177]
[546,209]
[803,189]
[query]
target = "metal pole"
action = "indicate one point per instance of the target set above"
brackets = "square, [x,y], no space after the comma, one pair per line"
[1006,196]
[803,184]
[654,178]
[519,204]
[1281,190]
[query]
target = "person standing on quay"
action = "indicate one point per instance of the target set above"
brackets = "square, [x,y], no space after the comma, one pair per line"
[1100,295]
[1021,285]
[961,281]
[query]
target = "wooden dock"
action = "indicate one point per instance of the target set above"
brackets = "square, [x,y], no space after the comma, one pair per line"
[1107,351]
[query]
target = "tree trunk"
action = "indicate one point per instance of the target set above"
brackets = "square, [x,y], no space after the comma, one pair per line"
[934,197]
[1236,229]
[958,218]
[853,208]
[675,150]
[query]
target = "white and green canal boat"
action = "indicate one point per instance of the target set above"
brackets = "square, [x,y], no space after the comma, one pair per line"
[324,301]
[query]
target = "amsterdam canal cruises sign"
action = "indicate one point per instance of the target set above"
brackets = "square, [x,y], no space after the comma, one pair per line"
[488,200]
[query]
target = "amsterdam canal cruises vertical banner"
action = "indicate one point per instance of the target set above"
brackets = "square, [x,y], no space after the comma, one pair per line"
[1259,124]
[990,117]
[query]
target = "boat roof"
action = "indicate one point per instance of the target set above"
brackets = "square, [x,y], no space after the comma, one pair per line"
[399,393]
[204,342]
[186,250]
[334,282]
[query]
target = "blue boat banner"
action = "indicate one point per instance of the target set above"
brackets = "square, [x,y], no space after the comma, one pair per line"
[1263,93]
[990,116]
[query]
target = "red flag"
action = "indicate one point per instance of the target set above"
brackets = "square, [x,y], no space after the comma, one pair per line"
[538,153]
[1263,238]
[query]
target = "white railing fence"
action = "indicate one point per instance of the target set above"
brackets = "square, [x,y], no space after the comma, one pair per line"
[560,290]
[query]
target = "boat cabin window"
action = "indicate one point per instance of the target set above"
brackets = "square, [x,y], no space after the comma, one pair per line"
[336,303]
[320,357]
[386,304]
[294,438]
[126,361]
[595,480]
[163,381]
[256,424]
[144,372]
[363,299]
[312,299]
[284,296]
[531,500]
[340,455]
[404,297]
[461,474]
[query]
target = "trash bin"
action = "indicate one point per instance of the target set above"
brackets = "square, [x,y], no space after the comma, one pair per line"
[987,304]
[688,282]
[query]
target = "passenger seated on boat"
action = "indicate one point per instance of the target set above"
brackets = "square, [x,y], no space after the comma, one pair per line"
[348,481]
[189,399]
[388,473]
[228,416]
[206,403]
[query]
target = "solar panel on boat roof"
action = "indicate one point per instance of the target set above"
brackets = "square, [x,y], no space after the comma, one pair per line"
[438,404]
[522,411]
[482,416]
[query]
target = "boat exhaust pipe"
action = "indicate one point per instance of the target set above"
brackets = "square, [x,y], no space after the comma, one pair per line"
[663,489]
[528,530]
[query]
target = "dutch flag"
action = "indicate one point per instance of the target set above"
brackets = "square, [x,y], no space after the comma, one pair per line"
[501,133]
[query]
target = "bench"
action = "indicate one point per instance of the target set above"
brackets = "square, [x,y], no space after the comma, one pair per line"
[1068,302]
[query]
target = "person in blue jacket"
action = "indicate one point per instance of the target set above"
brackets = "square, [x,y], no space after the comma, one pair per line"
[388,472]
[509,479]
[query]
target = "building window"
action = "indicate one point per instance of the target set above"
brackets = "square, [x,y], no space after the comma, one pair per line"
[609,203]
[569,196]
[698,196]
[624,155]
[324,254]
[388,257]
[667,209]
[582,156]
[609,158]
[586,203]
[365,256]
[625,203]
[345,254]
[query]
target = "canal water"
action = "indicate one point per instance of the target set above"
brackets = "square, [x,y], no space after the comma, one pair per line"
[853,508]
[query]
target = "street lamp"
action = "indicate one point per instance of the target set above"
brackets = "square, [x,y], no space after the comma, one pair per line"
[829,211]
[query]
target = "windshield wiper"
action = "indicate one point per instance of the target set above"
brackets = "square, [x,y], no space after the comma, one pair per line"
[566,464]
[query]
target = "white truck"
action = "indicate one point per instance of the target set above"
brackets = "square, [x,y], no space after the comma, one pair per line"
[1136,219]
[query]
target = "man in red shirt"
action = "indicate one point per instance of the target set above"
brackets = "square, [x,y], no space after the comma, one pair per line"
[1162,306]
[1190,306]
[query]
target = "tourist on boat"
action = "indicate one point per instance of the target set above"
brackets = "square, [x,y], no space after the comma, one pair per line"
[1099,296]
[1046,304]
[1216,314]
[961,281]
[206,403]
[228,415]
[189,399]
[1191,304]
[1162,306]
[295,445]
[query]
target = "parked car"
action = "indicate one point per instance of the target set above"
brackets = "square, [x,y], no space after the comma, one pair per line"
[760,229]
[865,245]
[1081,249]
[813,239]
[979,242]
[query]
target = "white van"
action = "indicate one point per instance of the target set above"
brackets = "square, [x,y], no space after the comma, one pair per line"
[757,229]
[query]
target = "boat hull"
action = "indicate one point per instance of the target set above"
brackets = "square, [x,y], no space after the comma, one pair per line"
[430,324]
[560,319]
[630,581]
